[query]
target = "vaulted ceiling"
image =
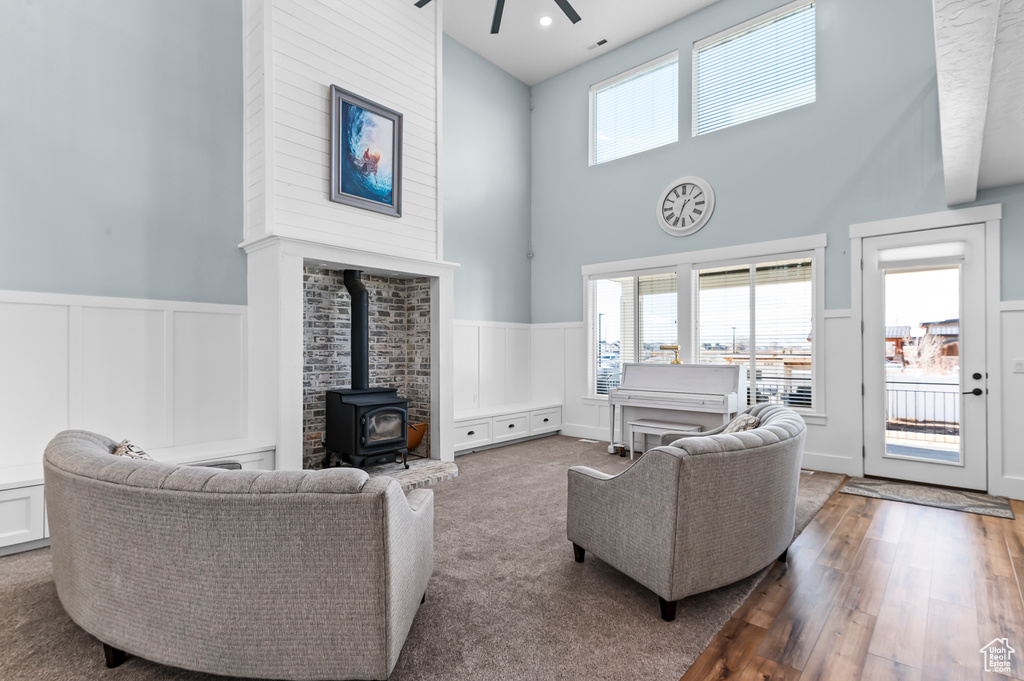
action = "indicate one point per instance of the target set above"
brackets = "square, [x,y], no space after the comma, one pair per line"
[979,48]
[532,52]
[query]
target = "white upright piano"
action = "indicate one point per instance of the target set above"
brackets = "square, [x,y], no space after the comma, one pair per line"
[706,388]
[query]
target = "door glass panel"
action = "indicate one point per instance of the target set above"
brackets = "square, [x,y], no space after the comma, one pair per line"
[922,364]
[384,426]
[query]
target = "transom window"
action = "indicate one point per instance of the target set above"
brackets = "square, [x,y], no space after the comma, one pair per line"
[635,111]
[763,66]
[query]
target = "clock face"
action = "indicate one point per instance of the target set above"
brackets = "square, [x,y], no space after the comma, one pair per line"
[685,206]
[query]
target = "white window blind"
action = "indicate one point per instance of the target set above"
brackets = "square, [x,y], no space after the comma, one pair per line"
[775,341]
[630,318]
[612,318]
[657,318]
[756,70]
[636,111]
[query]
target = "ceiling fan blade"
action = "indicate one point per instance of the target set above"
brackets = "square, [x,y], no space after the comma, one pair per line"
[499,7]
[569,11]
[421,3]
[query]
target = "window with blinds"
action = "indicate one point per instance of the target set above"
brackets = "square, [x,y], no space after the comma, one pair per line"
[631,317]
[759,68]
[635,111]
[760,315]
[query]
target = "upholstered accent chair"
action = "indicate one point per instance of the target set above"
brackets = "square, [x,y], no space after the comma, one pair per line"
[700,513]
[266,574]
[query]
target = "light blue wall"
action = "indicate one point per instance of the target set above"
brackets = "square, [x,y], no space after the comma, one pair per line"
[121,148]
[486,174]
[867,149]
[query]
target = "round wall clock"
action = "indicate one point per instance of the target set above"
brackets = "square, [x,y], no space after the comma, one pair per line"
[685,206]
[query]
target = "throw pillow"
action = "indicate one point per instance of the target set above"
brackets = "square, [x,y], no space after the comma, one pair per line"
[742,422]
[126,448]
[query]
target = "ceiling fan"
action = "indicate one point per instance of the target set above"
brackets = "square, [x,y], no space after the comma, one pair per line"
[499,7]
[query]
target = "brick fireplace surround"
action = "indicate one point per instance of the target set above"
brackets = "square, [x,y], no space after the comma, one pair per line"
[279,270]
[399,347]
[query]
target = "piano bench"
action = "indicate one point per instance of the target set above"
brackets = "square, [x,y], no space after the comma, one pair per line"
[647,427]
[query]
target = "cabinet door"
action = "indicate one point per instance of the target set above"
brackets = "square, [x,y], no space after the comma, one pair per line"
[21,515]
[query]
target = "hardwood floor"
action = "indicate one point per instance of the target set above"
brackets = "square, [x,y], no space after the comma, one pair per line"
[880,591]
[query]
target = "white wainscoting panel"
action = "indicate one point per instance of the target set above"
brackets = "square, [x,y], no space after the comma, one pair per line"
[1011,402]
[123,389]
[209,377]
[517,365]
[835,446]
[34,387]
[492,366]
[160,373]
[467,367]
[548,368]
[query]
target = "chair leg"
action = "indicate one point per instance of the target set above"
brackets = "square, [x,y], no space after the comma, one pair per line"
[578,552]
[114,656]
[784,556]
[668,609]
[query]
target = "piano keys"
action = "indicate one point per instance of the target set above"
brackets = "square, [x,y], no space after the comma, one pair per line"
[703,388]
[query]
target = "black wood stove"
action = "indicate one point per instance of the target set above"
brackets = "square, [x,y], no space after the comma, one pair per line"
[366,426]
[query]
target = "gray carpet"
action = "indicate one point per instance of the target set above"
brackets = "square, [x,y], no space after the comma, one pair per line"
[506,601]
[922,495]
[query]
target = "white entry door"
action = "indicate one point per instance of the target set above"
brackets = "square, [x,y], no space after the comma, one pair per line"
[925,393]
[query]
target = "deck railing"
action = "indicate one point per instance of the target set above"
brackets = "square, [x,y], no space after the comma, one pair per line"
[922,411]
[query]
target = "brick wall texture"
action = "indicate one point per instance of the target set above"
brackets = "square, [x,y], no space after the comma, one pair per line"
[399,347]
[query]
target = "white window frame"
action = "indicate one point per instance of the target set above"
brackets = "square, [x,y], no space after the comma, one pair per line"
[658,61]
[728,34]
[686,265]
[588,294]
[752,363]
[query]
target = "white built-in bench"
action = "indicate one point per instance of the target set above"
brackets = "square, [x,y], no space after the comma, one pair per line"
[250,454]
[23,510]
[489,426]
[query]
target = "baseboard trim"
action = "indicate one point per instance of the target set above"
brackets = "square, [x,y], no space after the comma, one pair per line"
[588,432]
[832,463]
[1008,486]
[506,443]
[26,546]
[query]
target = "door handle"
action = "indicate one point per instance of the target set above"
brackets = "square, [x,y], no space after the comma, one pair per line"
[976,376]
[976,391]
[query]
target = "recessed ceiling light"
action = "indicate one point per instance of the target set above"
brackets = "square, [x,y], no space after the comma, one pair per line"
[545,21]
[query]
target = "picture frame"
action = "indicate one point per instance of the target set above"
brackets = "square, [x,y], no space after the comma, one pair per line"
[366,153]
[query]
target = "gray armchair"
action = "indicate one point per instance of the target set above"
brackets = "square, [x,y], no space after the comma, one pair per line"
[698,514]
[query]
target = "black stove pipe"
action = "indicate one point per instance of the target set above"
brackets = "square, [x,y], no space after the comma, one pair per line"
[360,329]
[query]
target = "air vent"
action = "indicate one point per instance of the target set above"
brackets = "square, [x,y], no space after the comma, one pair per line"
[598,44]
